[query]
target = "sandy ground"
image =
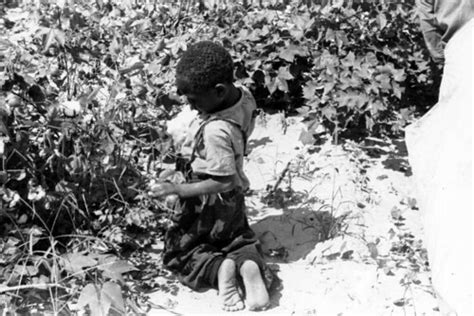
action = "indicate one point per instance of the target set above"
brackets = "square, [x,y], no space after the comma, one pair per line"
[345,242]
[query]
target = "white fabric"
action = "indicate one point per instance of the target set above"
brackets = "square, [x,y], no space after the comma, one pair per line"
[440,154]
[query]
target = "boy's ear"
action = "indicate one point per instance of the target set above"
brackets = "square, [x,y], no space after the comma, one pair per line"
[221,90]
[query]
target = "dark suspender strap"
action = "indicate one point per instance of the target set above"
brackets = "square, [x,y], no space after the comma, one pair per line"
[200,132]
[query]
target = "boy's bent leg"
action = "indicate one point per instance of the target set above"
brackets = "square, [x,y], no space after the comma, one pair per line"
[257,297]
[227,284]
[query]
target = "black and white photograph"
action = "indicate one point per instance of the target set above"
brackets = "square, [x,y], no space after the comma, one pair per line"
[247,157]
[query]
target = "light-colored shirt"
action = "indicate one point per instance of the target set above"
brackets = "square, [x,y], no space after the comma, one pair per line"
[221,150]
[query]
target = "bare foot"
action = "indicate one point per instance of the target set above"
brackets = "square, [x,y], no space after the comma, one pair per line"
[256,293]
[227,283]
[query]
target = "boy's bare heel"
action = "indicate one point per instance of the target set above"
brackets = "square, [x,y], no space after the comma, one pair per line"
[227,283]
[257,297]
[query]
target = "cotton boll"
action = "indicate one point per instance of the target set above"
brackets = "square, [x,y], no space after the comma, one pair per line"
[178,126]
[88,119]
[13,101]
[71,108]
[5,110]
[171,201]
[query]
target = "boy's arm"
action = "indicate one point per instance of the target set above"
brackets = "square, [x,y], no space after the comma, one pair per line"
[214,184]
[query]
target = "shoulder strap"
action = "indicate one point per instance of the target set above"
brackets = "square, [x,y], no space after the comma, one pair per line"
[200,132]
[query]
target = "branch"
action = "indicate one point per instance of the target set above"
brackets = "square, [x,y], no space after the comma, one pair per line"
[40,286]
[280,178]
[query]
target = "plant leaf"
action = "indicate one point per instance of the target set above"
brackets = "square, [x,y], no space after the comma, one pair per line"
[329,112]
[89,296]
[306,137]
[309,90]
[284,73]
[291,51]
[372,247]
[381,20]
[401,302]
[60,37]
[330,35]
[271,84]
[111,295]
[121,266]
[75,262]
[115,270]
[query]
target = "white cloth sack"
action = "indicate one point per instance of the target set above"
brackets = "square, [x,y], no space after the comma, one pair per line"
[440,154]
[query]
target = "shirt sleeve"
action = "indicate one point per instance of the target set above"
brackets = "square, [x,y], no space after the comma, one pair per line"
[219,155]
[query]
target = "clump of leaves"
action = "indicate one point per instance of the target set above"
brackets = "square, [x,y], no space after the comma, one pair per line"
[355,69]
[81,133]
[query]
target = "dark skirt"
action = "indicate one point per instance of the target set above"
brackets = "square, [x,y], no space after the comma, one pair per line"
[207,230]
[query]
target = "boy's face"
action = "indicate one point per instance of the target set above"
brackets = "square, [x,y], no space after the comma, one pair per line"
[205,102]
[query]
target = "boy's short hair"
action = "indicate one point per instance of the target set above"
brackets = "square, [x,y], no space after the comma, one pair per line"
[203,65]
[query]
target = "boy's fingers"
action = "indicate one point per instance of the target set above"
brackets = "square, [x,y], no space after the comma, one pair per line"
[154,192]
[154,187]
[159,189]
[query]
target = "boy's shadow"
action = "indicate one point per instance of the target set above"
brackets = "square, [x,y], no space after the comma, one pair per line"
[291,236]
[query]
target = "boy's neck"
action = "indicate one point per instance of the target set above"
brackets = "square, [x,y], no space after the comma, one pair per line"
[233,97]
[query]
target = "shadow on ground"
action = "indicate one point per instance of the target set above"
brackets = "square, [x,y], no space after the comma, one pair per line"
[398,159]
[292,235]
[254,143]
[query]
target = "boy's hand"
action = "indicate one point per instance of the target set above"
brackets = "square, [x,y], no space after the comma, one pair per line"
[161,189]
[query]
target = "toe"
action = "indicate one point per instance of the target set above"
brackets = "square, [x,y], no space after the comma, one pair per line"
[228,291]
[235,307]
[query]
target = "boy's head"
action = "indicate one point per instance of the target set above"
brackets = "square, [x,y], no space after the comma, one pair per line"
[204,75]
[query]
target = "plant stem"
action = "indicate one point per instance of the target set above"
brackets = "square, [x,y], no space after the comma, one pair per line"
[4,289]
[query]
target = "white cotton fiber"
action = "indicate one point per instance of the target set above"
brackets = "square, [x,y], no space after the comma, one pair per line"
[179,125]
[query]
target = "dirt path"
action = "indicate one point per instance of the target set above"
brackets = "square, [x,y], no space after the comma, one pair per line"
[346,241]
